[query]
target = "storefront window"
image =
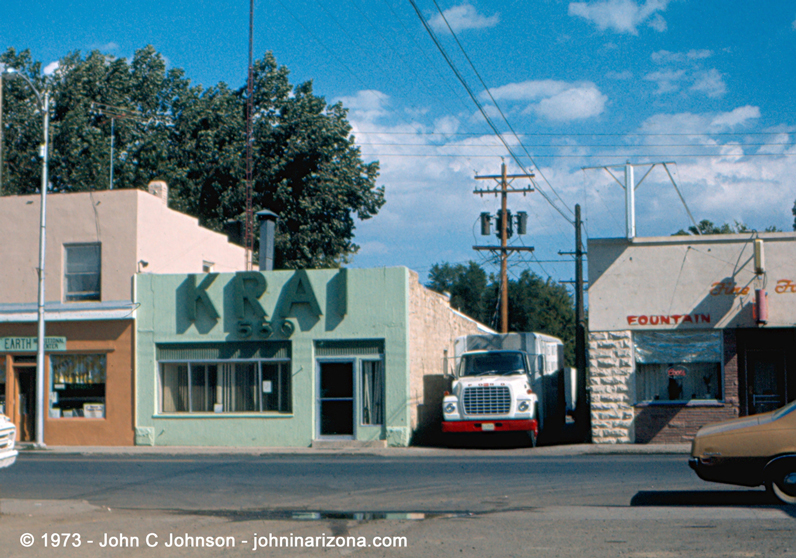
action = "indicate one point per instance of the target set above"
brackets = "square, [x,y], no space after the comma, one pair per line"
[78,386]
[372,392]
[678,367]
[225,387]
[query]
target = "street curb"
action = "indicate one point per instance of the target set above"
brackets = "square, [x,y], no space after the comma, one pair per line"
[413,451]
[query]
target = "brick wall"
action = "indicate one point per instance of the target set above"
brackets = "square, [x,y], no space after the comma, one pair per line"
[433,326]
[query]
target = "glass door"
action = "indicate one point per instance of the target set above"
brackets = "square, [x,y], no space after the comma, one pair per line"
[336,399]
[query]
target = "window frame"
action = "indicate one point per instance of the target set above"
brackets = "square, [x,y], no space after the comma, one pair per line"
[640,400]
[82,296]
[52,403]
[259,362]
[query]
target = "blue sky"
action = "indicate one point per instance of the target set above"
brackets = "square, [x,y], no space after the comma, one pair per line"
[707,85]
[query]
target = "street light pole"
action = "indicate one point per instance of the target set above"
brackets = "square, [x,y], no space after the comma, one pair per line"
[44,106]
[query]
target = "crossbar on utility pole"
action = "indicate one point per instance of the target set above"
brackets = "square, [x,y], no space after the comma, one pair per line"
[503,191]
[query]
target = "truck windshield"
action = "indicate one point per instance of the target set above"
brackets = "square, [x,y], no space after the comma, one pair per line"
[499,364]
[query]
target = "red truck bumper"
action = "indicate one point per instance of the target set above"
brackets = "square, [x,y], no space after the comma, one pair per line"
[490,426]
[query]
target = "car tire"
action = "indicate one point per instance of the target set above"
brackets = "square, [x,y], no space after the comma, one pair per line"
[781,480]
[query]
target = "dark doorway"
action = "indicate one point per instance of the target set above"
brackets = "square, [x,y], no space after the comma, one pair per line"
[25,404]
[336,398]
[766,381]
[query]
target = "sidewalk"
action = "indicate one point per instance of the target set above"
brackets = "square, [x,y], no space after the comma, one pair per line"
[413,451]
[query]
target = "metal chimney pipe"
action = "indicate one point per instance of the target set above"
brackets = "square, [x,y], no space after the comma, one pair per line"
[267,220]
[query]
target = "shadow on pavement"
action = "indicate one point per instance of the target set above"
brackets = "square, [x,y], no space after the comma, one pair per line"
[709,498]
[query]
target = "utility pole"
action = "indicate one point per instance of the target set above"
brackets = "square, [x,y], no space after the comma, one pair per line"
[583,407]
[249,234]
[2,69]
[504,249]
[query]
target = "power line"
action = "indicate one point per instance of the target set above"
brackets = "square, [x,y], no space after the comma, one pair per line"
[603,134]
[503,116]
[622,156]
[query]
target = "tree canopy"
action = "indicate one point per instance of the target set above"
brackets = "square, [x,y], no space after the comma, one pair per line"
[535,304]
[306,165]
[705,226]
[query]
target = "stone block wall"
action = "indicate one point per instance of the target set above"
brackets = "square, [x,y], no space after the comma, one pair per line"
[612,387]
[433,326]
[618,418]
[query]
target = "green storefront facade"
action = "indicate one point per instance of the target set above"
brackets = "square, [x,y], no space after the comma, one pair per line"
[273,358]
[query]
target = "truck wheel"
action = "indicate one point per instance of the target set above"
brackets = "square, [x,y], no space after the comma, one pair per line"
[781,481]
[532,438]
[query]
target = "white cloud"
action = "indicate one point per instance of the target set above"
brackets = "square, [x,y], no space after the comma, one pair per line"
[555,100]
[577,103]
[368,105]
[668,80]
[51,68]
[700,125]
[528,90]
[446,125]
[622,16]
[710,83]
[737,117]
[666,57]
[463,17]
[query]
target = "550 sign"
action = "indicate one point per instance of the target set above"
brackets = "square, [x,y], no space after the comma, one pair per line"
[265,329]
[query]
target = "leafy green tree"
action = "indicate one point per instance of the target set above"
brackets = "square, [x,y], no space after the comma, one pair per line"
[307,167]
[466,284]
[706,226]
[544,306]
[794,215]
[535,304]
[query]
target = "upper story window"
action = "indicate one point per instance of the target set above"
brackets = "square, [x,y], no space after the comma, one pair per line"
[82,264]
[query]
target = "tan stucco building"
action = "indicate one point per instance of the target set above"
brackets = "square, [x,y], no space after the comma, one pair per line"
[688,330]
[96,243]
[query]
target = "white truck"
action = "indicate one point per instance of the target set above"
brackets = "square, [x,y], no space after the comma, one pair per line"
[509,382]
[8,434]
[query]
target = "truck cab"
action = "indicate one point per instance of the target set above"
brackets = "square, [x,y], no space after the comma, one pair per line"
[504,383]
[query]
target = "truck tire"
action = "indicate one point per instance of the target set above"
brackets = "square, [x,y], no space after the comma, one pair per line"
[531,438]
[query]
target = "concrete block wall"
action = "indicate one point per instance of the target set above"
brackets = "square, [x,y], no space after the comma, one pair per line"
[433,327]
[612,386]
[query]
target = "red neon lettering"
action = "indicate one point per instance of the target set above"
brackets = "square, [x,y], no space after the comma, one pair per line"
[642,320]
[688,318]
[666,320]
[654,320]
[705,318]
[631,320]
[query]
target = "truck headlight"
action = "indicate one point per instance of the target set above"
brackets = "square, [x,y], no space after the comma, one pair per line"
[523,406]
[450,408]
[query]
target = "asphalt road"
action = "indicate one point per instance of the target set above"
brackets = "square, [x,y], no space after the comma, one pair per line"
[488,503]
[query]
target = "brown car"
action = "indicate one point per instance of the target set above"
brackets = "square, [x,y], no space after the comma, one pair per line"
[750,451]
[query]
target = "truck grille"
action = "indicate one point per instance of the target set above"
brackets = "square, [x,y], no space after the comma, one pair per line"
[487,400]
[7,438]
